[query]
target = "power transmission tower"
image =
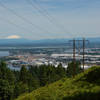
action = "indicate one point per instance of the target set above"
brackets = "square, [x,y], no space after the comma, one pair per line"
[84,46]
[74,53]
[83,53]
[74,57]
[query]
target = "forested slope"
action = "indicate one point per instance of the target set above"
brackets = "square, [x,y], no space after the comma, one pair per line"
[85,86]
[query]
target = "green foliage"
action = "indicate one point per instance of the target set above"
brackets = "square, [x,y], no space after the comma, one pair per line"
[93,75]
[20,88]
[25,83]
[23,75]
[61,71]
[6,90]
[7,80]
[71,71]
[27,80]
[47,74]
[83,87]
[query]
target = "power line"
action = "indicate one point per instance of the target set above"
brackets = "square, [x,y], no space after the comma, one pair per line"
[12,23]
[35,4]
[21,17]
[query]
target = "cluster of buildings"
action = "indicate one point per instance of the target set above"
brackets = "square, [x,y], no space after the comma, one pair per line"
[92,57]
[34,60]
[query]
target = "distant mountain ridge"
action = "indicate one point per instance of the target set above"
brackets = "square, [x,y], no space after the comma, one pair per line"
[14,41]
[21,41]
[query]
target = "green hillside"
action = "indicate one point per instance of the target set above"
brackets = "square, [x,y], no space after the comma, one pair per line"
[85,86]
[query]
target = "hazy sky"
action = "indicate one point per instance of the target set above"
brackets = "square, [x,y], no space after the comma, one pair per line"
[49,18]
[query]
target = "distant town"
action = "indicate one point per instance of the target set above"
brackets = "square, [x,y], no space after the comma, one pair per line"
[30,56]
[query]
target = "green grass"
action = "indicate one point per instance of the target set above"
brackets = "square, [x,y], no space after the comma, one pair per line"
[85,86]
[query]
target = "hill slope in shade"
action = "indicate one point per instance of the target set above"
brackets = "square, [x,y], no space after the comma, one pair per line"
[85,86]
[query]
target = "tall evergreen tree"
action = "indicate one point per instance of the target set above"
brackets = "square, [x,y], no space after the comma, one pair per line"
[70,69]
[61,71]
[7,80]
